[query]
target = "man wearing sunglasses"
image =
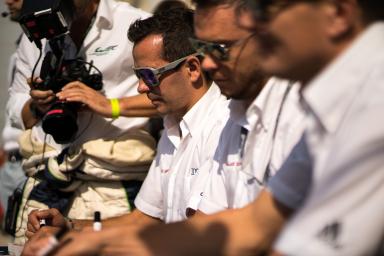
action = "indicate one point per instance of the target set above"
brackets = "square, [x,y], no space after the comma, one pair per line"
[266,121]
[169,72]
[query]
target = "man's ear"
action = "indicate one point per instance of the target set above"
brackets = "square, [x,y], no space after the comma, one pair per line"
[342,15]
[194,69]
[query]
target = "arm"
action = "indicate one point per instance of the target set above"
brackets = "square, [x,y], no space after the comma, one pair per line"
[247,231]
[133,106]
[21,96]
[40,101]
[87,240]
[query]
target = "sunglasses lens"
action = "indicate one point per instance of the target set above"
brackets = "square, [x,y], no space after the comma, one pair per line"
[218,52]
[148,77]
[215,50]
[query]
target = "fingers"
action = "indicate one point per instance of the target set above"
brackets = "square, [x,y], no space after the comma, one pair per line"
[75,91]
[42,97]
[36,215]
[34,244]
[75,84]
[33,221]
[37,80]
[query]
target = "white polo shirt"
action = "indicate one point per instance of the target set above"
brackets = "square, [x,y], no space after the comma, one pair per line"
[172,177]
[344,211]
[107,45]
[239,171]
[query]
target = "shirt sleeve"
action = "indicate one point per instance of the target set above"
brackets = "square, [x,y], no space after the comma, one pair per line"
[343,213]
[26,57]
[149,199]
[291,183]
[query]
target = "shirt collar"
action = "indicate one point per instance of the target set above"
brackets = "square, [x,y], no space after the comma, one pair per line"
[189,124]
[254,114]
[330,94]
[104,16]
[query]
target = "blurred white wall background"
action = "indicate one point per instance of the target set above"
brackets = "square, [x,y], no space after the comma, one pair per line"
[9,31]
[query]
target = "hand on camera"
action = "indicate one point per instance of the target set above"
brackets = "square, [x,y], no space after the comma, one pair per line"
[79,92]
[40,100]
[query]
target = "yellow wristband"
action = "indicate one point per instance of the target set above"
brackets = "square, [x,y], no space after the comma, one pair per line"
[115,105]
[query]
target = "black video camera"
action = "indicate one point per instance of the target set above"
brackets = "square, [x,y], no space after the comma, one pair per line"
[48,19]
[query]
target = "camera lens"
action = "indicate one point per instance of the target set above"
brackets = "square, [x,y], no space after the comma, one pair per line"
[61,122]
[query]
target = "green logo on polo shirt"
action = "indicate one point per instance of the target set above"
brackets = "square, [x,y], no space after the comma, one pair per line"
[100,51]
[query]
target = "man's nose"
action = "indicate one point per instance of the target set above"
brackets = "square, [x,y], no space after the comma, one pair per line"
[142,87]
[209,64]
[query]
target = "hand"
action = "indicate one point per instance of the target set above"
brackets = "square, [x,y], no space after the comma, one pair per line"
[128,240]
[55,219]
[34,245]
[85,242]
[79,92]
[121,240]
[40,98]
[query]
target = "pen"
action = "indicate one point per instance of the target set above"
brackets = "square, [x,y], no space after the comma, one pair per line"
[97,221]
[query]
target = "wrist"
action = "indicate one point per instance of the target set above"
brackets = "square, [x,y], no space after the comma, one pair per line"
[69,223]
[115,107]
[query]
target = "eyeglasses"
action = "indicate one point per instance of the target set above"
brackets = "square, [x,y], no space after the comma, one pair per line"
[151,76]
[218,51]
[264,10]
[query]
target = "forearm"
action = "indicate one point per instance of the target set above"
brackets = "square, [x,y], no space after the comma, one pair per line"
[134,218]
[29,119]
[137,106]
[247,231]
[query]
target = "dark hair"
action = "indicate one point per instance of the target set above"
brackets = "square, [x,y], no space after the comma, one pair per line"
[169,4]
[211,3]
[175,26]
[373,10]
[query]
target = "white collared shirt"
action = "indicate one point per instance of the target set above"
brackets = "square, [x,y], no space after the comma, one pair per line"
[107,45]
[173,175]
[10,134]
[343,212]
[239,172]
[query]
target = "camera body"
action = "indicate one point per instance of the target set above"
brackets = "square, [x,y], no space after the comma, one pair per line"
[61,119]
[47,19]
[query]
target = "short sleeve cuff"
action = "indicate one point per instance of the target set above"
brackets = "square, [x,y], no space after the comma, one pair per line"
[148,209]
[208,207]
[15,115]
[284,194]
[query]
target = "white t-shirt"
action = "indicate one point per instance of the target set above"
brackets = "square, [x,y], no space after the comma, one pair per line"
[107,45]
[343,213]
[239,171]
[173,176]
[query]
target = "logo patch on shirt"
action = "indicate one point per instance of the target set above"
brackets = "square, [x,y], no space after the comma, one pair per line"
[100,51]
[194,171]
[330,234]
[164,170]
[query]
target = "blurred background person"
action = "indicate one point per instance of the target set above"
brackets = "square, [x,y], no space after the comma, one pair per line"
[101,165]
[11,173]
[195,113]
